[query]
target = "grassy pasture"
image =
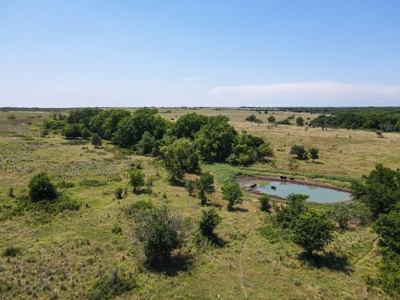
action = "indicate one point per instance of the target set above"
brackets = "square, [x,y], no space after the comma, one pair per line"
[62,256]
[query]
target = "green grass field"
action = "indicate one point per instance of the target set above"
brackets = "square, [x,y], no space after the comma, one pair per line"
[63,255]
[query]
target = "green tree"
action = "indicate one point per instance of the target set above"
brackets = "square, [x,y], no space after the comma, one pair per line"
[72,131]
[190,186]
[215,139]
[232,192]
[265,202]
[180,158]
[160,233]
[313,153]
[300,121]
[313,231]
[208,222]
[96,140]
[300,151]
[271,119]
[205,185]
[295,207]
[146,144]
[379,191]
[251,118]
[41,188]
[136,179]
[388,227]
[342,213]
[189,124]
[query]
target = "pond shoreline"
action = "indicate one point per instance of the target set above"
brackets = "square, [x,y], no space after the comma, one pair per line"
[245,181]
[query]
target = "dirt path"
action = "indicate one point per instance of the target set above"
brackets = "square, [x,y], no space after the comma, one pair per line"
[374,243]
[240,258]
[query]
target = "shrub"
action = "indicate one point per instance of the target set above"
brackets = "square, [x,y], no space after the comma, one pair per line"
[11,250]
[65,185]
[116,229]
[232,193]
[41,188]
[159,232]
[300,151]
[92,182]
[265,204]
[209,220]
[11,193]
[313,231]
[136,179]
[11,117]
[96,140]
[118,193]
[111,285]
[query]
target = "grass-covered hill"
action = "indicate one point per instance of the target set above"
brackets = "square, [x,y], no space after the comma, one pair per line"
[91,249]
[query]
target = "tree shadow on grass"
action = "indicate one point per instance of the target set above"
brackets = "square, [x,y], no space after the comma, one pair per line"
[315,162]
[210,204]
[178,262]
[329,260]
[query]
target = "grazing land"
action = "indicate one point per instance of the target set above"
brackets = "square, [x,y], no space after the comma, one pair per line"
[63,255]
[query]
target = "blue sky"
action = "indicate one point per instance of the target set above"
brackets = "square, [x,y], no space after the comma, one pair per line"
[199,53]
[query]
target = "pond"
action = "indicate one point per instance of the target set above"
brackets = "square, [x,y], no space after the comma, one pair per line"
[317,194]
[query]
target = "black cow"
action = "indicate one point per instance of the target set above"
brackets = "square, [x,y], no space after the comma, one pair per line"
[273,187]
[253,185]
[284,178]
[291,178]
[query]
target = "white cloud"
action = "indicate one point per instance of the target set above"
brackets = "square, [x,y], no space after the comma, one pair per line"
[189,78]
[311,94]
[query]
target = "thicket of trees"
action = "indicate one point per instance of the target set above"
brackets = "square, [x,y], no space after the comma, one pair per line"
[191,138]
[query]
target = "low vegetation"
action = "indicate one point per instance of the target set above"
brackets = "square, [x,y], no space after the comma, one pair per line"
[142,215]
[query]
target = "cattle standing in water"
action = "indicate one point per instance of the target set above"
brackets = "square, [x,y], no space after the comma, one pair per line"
[273,187]
[284,178]
[291,178]
[253,185]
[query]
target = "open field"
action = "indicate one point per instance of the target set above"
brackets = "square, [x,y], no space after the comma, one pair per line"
[63,255]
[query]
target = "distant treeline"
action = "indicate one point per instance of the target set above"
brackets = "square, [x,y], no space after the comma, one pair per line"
[33,109]
[146,132]
[386,119]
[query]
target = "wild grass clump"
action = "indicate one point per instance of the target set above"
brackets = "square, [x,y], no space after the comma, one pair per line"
[138,209]
[118,192]
[116,229]
[65,185]
[112,285]
[114,178]
[12,251]
[92,183]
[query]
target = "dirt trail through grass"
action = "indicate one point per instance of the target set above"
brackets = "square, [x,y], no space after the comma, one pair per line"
[240,258]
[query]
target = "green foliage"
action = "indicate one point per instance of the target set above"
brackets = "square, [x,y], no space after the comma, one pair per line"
[271,119]
[72,131]
[110,286]
[248,149]
[12,251]
[190,186]
[147,144]
[180,158]
[313,153]
[208,222]
[188,125]
[138,209]
[251,118]
[265,203]
[313,231]
[270,233]
[232,192]
[389,273]
[44,132]
[136,179]
[205,185]
[300,121]
[295,207]
[11,117]
[41,188]
[96,140]
[65,184]
[388,226]
[300,151]
[159,231]
[380,191]
[215,139]
[118,193]
[130,129]
[116,229]
[344,213]
[11,193]
[92,182]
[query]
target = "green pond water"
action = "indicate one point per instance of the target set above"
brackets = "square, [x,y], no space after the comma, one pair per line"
[317,194]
